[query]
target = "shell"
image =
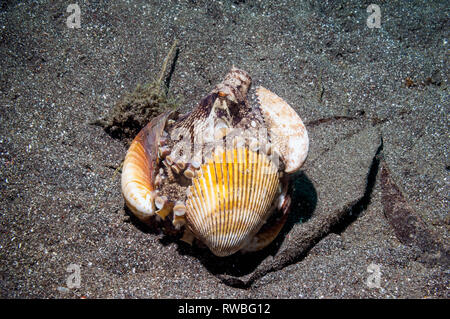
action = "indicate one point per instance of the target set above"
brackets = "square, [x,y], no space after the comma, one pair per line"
[138,171]
[231,199]
[289,135]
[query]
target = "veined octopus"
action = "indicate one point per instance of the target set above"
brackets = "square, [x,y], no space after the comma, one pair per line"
[221,172]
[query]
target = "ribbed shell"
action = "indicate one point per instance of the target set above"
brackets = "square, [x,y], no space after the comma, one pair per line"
[231,198]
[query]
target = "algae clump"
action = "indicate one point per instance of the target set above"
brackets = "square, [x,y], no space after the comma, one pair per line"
[136,109]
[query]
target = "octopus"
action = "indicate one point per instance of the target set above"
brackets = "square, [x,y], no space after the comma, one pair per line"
[220,173]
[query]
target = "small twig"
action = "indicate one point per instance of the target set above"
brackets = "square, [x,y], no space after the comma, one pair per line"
[321,89]
[117,169]
[166,60]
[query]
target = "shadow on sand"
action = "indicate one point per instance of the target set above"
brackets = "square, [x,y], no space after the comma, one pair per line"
[304,200]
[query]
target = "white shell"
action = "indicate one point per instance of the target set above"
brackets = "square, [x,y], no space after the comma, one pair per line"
[137,187]
[138,171]
[288,133]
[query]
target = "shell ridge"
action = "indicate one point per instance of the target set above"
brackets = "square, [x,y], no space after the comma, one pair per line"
[271,190]
[210,198]
[248,172]
[252,178]
[248,177]
[267,188]
[219,180]
[274,185]
[258,184]
[241,185]
[236,210]
[218,174]
[262,190]
[220,218]
[223,195]
[249,189]
[222,198]
[268,177]
[261,184]
[215,212]
[192,207]
[231,199]
[202,209]
[205,195]
[225,191]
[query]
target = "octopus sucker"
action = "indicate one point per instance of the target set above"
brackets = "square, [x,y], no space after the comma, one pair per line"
[220,173]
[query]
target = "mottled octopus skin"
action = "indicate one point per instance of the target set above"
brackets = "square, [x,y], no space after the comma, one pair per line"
[213,173]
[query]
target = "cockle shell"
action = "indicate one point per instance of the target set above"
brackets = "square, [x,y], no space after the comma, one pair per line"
[231,199]
[220,172]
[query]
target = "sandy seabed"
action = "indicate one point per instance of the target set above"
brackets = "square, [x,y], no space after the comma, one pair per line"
[372,197]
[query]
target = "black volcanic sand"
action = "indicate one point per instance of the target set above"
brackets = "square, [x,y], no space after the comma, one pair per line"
[374,189]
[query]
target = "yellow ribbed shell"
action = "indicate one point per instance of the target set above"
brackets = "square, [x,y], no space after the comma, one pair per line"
[231,198]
